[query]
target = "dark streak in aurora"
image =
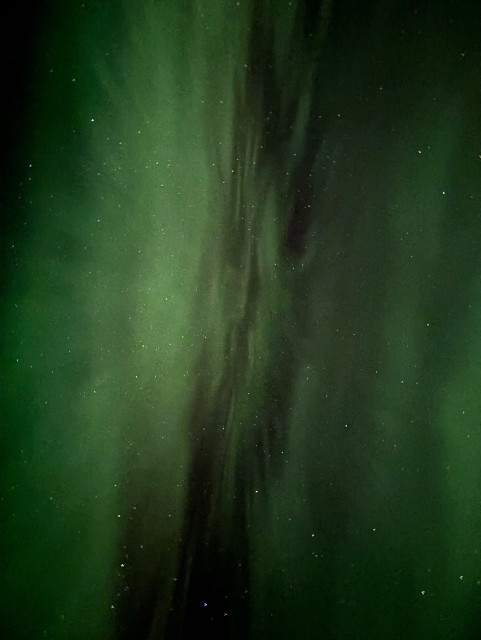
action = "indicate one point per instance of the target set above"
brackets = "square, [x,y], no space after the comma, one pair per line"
[231,459]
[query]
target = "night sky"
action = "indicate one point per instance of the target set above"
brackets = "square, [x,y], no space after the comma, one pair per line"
[240,320]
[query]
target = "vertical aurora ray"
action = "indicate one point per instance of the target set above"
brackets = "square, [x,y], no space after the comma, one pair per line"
[239,423]
[240,323]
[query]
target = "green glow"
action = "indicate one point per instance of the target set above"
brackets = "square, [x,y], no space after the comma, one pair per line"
[146,261]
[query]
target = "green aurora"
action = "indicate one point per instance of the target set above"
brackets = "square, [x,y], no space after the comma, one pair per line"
[241,315]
